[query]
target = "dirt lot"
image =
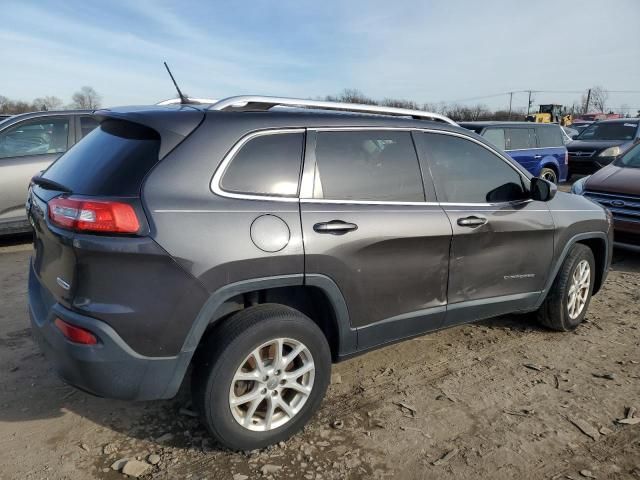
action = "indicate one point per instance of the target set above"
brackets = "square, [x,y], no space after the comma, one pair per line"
[498,399]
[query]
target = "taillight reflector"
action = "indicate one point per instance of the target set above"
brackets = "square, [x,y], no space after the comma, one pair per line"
[93,215]
[76,334]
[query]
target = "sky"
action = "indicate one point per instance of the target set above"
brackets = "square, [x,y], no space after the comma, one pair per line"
[422,50]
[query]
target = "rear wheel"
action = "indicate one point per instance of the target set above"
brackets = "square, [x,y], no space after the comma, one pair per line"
[549,174]
[568,300]
[260,377]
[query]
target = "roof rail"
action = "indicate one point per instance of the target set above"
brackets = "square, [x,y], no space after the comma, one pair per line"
[255,102]
[198,101]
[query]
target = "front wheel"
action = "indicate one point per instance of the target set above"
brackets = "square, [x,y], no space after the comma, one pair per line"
[259,378]
[568,300]
[549,174]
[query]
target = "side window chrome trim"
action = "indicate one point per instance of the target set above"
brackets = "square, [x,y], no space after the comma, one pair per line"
[222,168]
[217,177]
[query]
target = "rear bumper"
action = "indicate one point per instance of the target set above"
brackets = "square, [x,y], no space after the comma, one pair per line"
[111,368]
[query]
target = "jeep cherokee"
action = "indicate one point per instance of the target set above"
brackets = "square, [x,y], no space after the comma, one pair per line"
[259,239]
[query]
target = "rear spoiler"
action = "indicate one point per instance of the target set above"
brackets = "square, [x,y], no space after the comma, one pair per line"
[173,124]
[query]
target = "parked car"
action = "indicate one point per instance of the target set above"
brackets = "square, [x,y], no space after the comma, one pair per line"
[256,246]
[617,187]
[28,144]
[601,143]
[538,147]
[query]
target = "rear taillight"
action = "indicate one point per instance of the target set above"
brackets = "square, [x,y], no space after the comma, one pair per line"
[76,334]
[93,215]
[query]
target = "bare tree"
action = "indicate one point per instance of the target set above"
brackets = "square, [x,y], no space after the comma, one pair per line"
[599,97]
[351,95]
[86,99]
[47,103]
[596,101]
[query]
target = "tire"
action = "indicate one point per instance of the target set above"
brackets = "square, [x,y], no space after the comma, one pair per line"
[556,311]
[231,347]
[549,174]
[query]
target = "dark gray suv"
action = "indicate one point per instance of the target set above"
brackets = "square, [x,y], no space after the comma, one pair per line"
[259,239]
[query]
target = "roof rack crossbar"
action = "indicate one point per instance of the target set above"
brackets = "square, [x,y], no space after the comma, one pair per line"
[253,103]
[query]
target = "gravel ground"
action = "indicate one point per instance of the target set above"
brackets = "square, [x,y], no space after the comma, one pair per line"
[498,399]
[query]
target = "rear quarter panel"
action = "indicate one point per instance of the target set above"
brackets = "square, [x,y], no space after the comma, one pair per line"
[207,234]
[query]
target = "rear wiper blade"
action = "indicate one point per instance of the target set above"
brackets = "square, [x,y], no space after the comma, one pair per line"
[49,184]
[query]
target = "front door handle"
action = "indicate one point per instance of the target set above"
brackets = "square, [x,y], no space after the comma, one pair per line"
[472,221]
[334,227]
[537,156]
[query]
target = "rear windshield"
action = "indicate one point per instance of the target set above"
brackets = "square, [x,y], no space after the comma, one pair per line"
[610,131]
[111,160]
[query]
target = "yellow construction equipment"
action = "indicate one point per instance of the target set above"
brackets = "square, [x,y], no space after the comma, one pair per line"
[551,114]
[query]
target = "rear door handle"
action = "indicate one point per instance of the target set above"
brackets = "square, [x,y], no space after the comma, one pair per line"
[334,227]
[537,156]
[472,221]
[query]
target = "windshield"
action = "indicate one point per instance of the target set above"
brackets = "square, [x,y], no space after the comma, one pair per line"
[610,131]
[631,159]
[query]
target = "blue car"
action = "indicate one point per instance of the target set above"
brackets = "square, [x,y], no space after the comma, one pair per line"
[538,147]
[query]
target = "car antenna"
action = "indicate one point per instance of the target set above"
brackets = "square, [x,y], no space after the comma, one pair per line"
[183,99]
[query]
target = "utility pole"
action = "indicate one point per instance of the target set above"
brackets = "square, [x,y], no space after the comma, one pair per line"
[510,101]
[586,107]
[529,103]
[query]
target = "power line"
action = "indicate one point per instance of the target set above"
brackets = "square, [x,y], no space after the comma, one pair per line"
[510,93]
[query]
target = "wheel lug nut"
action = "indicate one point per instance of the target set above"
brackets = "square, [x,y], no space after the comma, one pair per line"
[283,381]
[274,393]
[263,391]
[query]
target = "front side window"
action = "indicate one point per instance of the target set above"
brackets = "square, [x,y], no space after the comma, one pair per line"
[495,136]
[373,165]
[266,165]
[520,139]
[35,137]
[465,172]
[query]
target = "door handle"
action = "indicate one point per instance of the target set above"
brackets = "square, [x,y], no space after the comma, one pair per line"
[472,221]
[334,227]
[537,156]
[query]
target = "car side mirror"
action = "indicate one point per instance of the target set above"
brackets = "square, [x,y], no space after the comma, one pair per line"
[542,190]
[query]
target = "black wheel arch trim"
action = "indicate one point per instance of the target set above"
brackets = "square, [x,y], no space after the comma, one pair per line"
[565,251]
[212,311]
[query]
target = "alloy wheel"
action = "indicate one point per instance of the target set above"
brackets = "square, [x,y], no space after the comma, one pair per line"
[272,384]
[579,289]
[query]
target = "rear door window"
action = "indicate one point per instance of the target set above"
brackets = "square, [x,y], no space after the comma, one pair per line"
[370,165]
[495,136]
[266,165]
[549,137]
[112,160]
[520,138]
[42,136]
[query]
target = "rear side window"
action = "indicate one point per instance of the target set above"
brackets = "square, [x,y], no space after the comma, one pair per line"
[35,137]
[374,165]
[495,136]
[549,137]
[112,160]
[465,172]
[87,124]
[520,138]
[266,165]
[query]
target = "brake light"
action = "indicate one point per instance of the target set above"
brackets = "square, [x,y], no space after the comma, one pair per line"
[93,215]
[76,334]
